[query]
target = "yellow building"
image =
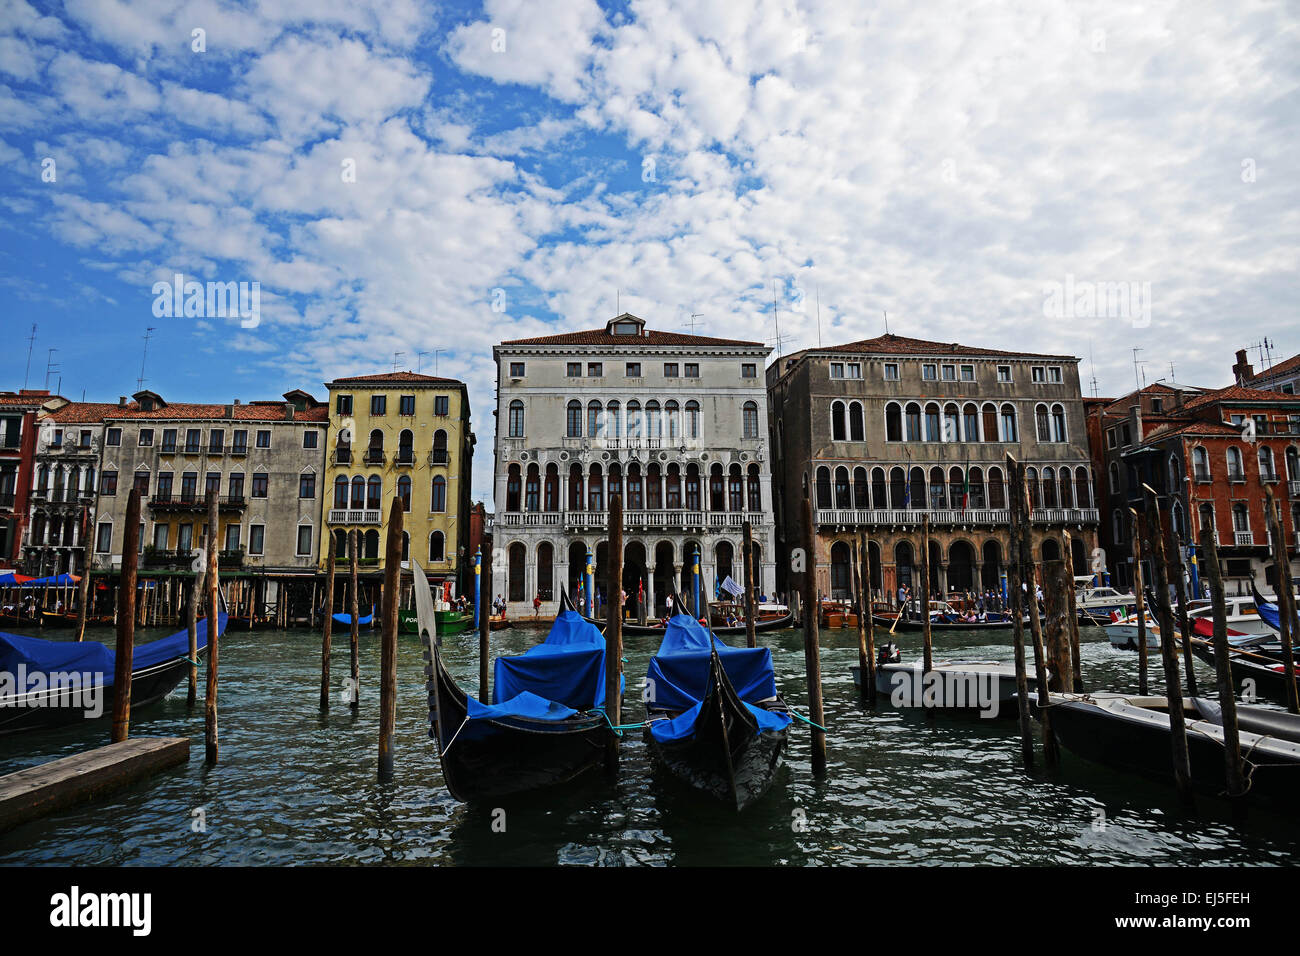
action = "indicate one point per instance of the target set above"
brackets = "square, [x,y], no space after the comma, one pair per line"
[408,435]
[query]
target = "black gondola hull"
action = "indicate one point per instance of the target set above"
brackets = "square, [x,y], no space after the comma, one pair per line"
[60,708]
[1266,681]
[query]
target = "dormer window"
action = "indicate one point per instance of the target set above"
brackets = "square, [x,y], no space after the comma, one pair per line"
[625,324]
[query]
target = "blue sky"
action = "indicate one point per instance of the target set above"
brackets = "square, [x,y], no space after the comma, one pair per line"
[947,162]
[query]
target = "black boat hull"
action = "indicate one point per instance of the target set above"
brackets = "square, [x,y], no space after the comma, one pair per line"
[726,757]
[1266,681]
[491,759]
[60,708]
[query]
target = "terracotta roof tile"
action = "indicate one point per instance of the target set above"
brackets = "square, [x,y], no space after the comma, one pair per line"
[1281,368]
[904,345]
[649,338]
[84,413]
[381,377]
[1238,393]
[190,411]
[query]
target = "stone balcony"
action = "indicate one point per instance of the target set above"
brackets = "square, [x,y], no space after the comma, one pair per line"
[987,517]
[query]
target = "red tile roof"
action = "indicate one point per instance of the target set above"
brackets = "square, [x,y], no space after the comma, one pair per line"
[1238,393]
[649,338]
[396,377]
[892,344]
[189,411]
[84,413]
[1281,368]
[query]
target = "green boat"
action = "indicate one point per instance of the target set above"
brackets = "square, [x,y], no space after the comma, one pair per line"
[449,622]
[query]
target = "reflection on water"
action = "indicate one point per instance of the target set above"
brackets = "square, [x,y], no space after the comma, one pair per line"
[296,787]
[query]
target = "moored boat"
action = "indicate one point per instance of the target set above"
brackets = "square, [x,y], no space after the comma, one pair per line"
[714,717]
[988,687]
[545,725]
[48,683]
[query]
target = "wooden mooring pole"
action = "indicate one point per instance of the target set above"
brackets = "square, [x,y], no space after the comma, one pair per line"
[1017,624]
[210,579]
[1139,589]
[1175,556]
[811,650]
[87,557]
[126,621]
[192,629]
[355,605]
[485,620]
[1285,600]
[1168,651]
[388,649]
[614,626]
[1023,502]
[1056,585]
[927,642]
[328,628]
[1236,777]
[867,633]
[751,630]
[1076,662]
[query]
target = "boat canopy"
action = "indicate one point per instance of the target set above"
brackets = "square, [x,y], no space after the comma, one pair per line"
[679,672]
[567,670]
[38,655]
[53,581]
[9,579]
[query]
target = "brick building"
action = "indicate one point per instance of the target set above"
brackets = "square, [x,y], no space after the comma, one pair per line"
[18,414]
[884,430]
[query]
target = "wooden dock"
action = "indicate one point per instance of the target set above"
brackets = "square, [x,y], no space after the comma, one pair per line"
[49,787]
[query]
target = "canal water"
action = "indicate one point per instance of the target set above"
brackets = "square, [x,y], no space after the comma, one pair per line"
[296,787]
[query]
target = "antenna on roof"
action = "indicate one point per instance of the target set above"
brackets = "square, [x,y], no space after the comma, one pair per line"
[886,315]
[776,320]
[144,357]
[692,323]
[819,315]
[1171,372]
[50,366]
[1093,363]
[419,362]
[435,361]
[31,340]
[1139,375]
[395,357]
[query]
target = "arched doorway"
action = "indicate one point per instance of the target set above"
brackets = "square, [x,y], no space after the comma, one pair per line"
[961,567]
[991,578]
[1079,557]
[577,568]
[663,576]
[723,563]
[634,575]
[545,570]
[515,575]
[841,572]
[904,560]
[1051,549]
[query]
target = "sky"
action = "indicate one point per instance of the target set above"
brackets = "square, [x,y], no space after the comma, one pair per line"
[406,177]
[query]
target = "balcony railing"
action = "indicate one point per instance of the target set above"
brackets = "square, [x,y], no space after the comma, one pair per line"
[341,456]
[354,516]
[166,501]
[375,456]
[438,456]
[1243,539]
[404,458]
[950,516]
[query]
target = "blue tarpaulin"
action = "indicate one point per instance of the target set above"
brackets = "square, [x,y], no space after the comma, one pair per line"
[568,668]
[521,705]
[683,725]
[53,581]
[347,618]
[679,673]
[37,655]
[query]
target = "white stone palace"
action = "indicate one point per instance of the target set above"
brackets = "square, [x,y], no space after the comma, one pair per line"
[676,424]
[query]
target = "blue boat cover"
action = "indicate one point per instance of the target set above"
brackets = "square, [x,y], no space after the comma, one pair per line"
[1269,612]
[567,669]
[521,705]
[37,655]
[347,618]
[678,675]
[54,580]
[683,725]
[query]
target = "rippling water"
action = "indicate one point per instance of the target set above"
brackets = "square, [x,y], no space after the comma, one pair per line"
[295,787]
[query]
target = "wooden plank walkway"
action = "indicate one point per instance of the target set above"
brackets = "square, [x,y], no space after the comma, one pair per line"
[36,791]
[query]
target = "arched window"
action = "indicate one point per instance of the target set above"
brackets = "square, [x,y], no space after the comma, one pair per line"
[879,494]
[372,546]
[1266,472]
[893,422]
[1058,423]
[1201,463]
[1114,478]
[838,432]
[755,490]
[551,491]
[439,447]
[673,413]
[654,493]
[1082,488]
[1067,499]
[573,419]
[517,419]
[913,419]
[406,447]
[1009,431]
[937,490]
[692,487]
[1031,482]
[673,488]
[990,421]
[615,480]
[358,491]
[575,487]
[861,498]
[717,497]
[842,499]
[693,420]
[374,491]
[1040,423]
[653,420]
[533,489]
[823,487]
[735,489]
[951,423]
[997,490]
[976,499]
[515,572]
[1049,488]
[897,488]
[634,419]
[932,432]
[1207,515]
[514,479]
[595,419]
[1292,464]
[546,571]
[375,450]
[437,546]
[749,413]
[341,491]
[595,489]
[438,494]
[614,421]
[917,489]
[634,498]
[404,491]
[970,422]
[857,426]
[1236,471]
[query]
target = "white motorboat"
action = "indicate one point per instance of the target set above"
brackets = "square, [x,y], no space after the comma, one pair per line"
[988,687]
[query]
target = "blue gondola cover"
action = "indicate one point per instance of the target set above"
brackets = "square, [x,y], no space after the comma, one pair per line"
[521,705]
[567,669]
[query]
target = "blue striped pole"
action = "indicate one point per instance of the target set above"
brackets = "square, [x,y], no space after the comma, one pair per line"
[478,590]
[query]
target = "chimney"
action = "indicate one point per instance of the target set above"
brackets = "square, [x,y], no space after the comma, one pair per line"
[236,401]
[1243,370]
[230,411]
[1135,419]
[288,411]
[121,401]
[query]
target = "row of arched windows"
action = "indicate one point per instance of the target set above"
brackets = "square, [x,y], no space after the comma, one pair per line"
[368,492]
[955,487]
[368,545]
[653,488]
[405,446]
[614,421]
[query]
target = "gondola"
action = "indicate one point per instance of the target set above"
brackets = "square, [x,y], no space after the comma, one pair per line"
[677,606]
[546,724]
[721,741]
[365,621]
[1132,733]
[82,674]
[1268,673]
[942,624]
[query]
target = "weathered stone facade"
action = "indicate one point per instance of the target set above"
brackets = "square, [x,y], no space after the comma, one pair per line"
[880,431]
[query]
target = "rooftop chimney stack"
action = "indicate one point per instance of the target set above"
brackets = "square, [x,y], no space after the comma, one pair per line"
[1243,371]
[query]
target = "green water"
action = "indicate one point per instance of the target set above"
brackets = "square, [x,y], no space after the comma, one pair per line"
[296,787]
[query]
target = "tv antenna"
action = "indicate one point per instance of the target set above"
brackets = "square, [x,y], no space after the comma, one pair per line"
[1093,363]
[435,353]
[31,340]
[396,356]
[691,324]
[139,382]
[1139,373]
[818,290]
[886,315]
[50,366]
